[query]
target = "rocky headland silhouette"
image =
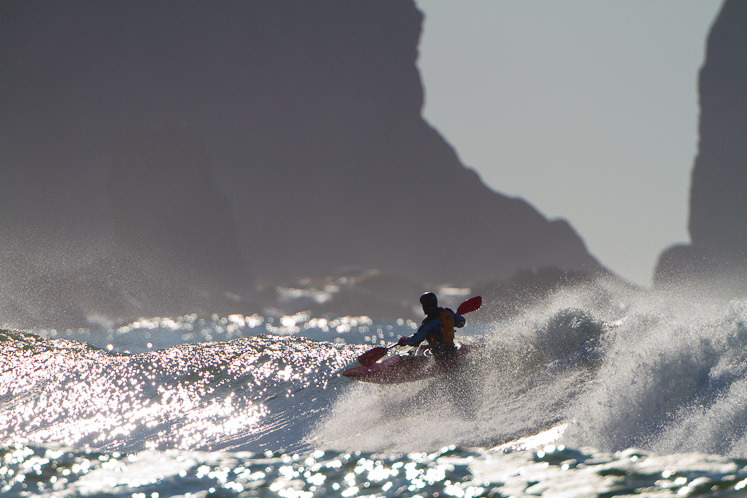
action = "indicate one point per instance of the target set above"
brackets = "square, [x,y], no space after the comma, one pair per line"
[169,158]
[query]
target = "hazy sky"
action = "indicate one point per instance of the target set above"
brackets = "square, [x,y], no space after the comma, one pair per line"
[585,108]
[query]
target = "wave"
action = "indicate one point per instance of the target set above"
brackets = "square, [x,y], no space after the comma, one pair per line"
[618,369]
[254,393]
[672,379]
[663,372]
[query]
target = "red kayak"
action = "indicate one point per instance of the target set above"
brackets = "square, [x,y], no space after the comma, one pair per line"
[403,368]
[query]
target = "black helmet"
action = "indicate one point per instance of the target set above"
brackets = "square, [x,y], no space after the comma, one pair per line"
[429,301]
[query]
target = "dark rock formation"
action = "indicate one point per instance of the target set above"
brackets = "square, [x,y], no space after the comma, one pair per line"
[309,113]
[168,211]
[718,204]
[175,233]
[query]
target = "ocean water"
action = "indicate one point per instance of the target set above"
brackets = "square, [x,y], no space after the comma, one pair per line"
[597,391]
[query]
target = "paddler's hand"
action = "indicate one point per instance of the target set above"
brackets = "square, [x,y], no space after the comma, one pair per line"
[402,341]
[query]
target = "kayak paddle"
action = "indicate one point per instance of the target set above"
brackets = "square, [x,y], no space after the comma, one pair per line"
[469,305]
[371,356]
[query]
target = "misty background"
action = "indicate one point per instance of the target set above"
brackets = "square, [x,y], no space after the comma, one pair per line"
[181,157]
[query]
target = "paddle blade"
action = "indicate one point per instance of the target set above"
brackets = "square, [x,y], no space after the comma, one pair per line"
[470,305]
[371,356]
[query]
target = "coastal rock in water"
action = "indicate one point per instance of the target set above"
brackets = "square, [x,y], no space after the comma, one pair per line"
[718,204]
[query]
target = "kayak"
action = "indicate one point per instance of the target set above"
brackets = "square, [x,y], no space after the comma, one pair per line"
[404,368]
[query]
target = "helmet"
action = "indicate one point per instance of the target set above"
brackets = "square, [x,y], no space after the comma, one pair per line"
[429,301]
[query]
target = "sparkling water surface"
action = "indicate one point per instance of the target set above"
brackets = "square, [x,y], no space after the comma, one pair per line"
[587,394]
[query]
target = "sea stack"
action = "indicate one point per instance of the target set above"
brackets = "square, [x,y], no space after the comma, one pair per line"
[717,254]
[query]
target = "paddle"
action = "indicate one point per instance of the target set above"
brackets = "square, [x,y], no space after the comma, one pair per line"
[371,356]
[469,305]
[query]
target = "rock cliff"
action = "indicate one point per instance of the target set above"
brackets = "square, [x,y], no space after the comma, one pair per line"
[313,154]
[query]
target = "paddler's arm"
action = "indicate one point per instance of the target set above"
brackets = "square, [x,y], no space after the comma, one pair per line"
[421,334]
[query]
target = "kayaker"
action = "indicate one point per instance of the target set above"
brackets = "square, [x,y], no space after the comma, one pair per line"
[437,328]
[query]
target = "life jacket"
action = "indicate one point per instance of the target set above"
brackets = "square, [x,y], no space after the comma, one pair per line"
[447,327]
